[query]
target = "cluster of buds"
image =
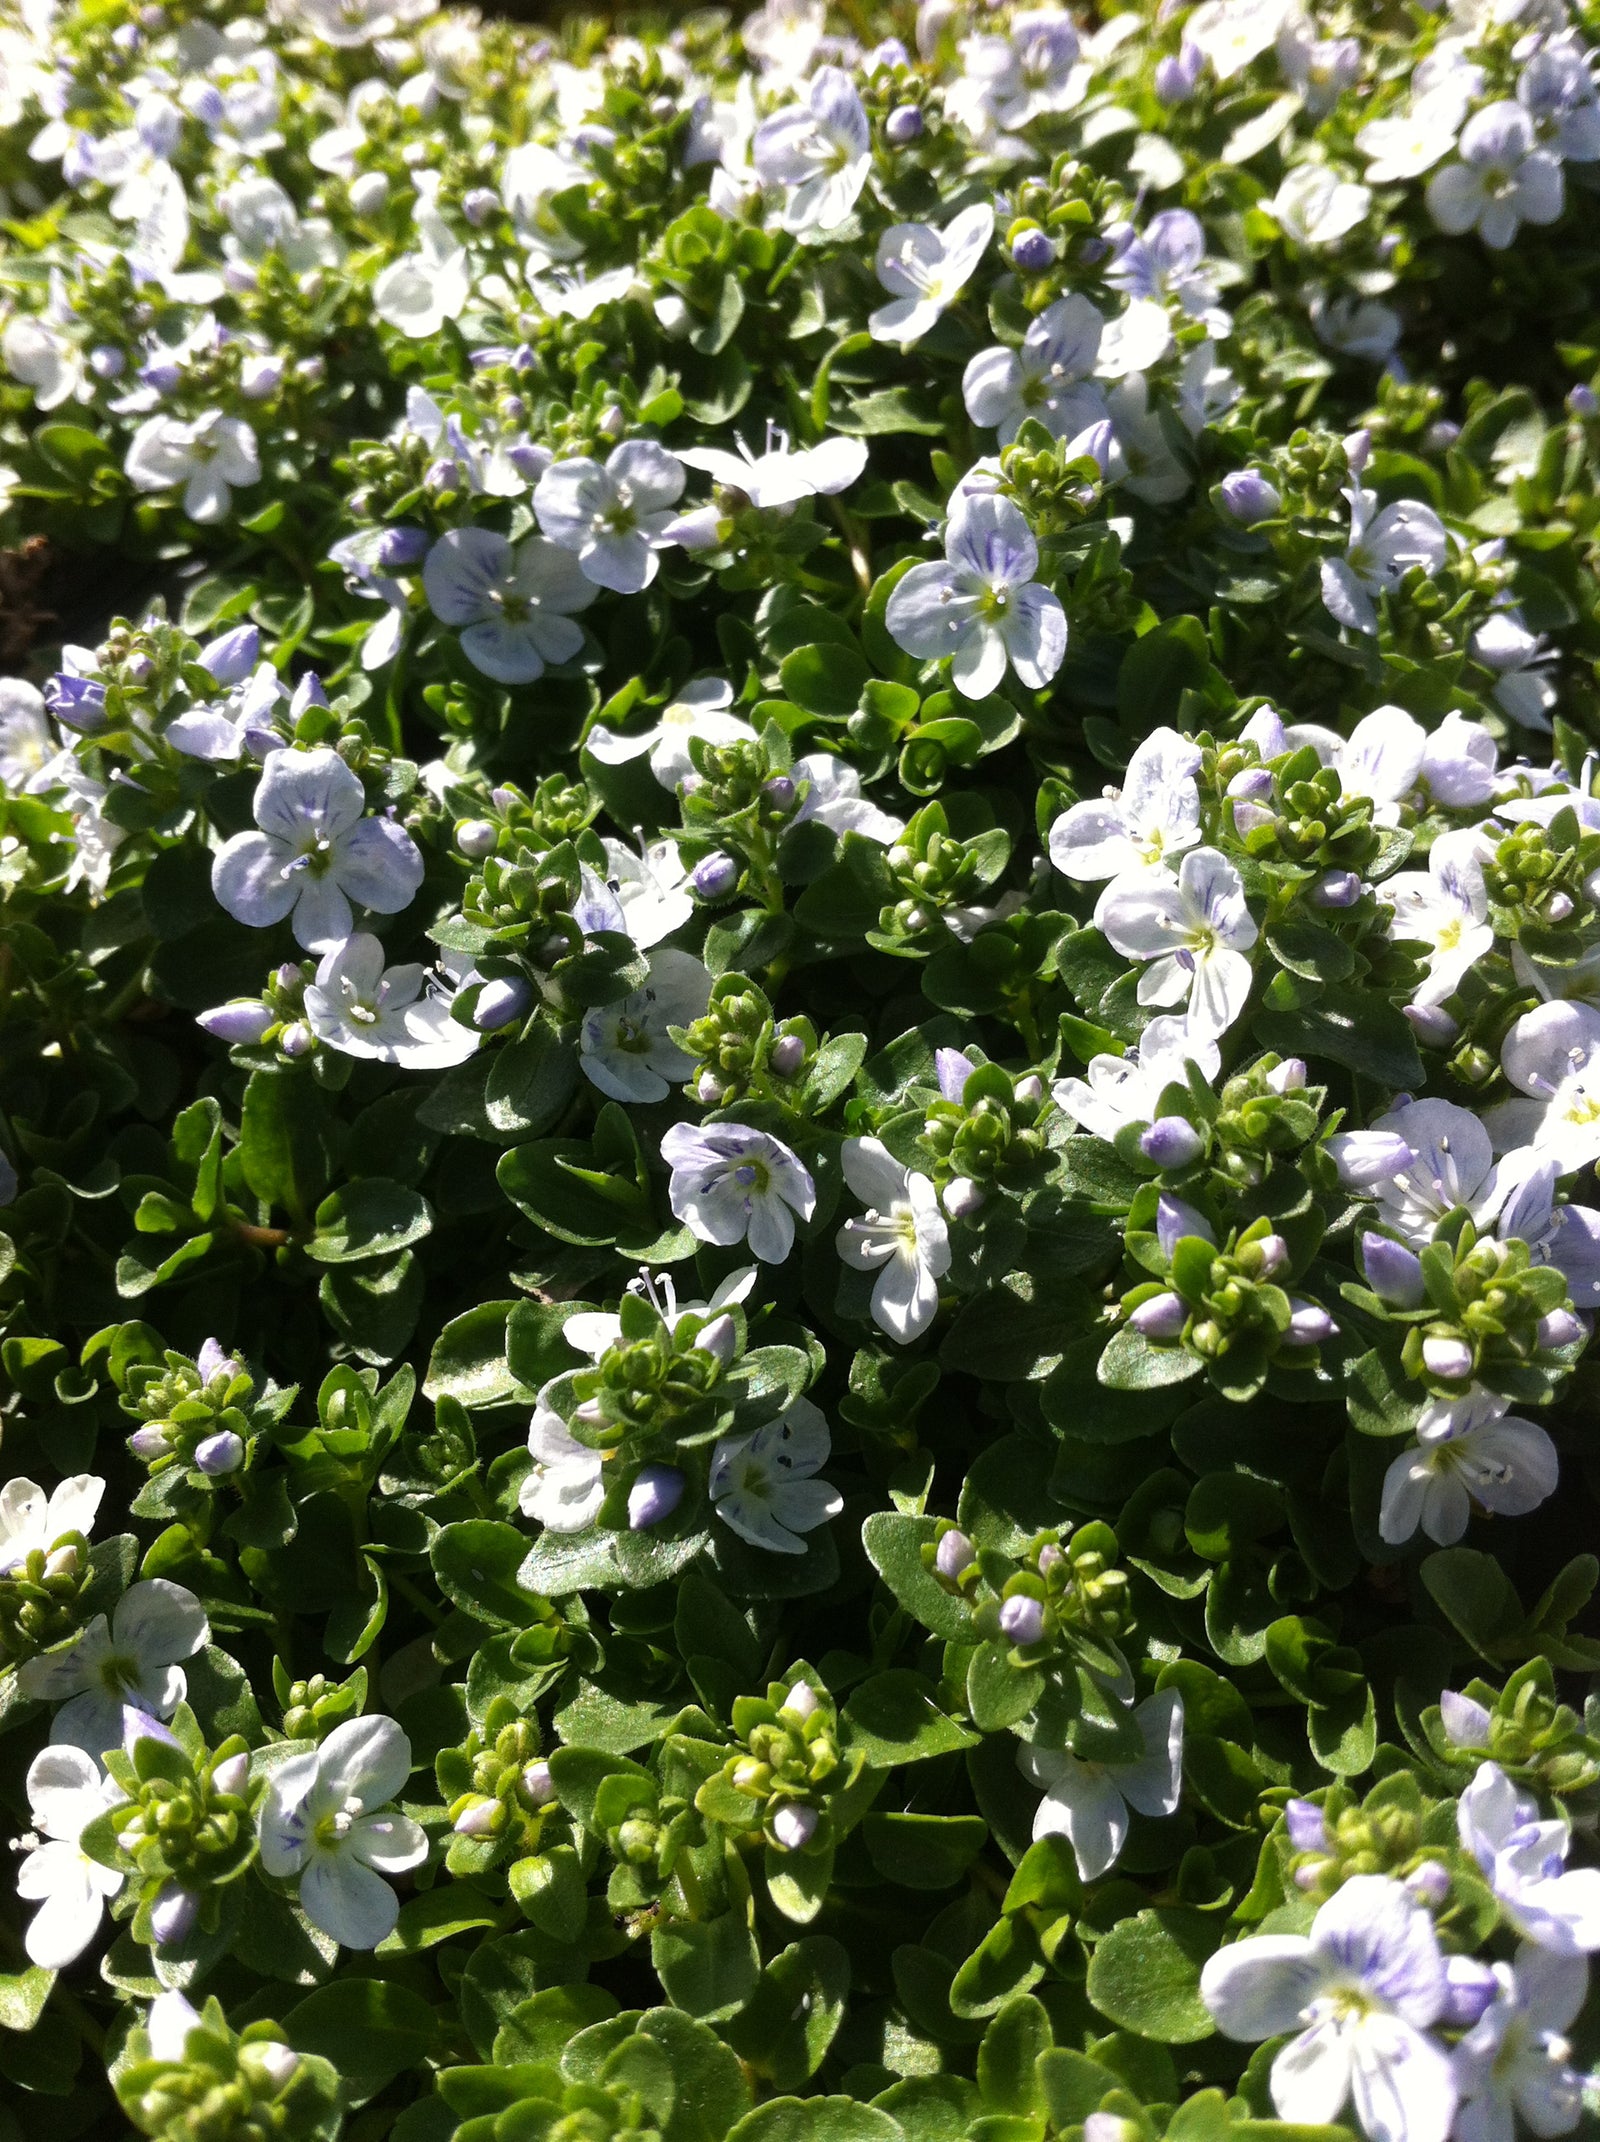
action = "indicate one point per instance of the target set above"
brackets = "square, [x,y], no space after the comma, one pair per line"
[1295,813]
[741,1049]
[656,1376]
[934,872]
[1540,877]
[1525,1728]
[778,1783]
[184,1829]
[1386,1834]
[498,1790]
[217,2085]
[1311,470]
[1474,1308]
[558,810]
[738,788]
[311,1709]
[197,1414]
[1063,1599]
[1264,1111]
[42,1596]
[272,1020]
[986,1125]
[1223,1301]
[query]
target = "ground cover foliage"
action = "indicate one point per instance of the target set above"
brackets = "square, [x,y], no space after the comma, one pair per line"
[801,1053]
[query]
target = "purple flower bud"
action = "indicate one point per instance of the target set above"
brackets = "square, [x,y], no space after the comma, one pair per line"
[904,123]
[240,277]
[148,1443]
[788,1055]
[211,1360]
[1394,1273]
[232,1775]
[297,1040]
[793,1827]
[139,1725]
[714,876]
[504,799]
[1465,1721]
[1561,1328]
[260,376]
[1250,817]
[1253,785]
[232,655]
[173,1914]
[106,361]
[1336,888]
[654,1496]
[1176,1218]
[954,1553]
[1030,1088]
[802,1700]
[220,1454]
[369,192]
[1289,1076]
[1032,252]
[1448,1359]
[1583,401]
[962,1197]
[76,702]
[138,669]
[708,1089]
[500,1002]
[288,976]
[1432,1024]
[780,792]
[1022,1618]
[1172,1142]
[614,421]
[1177,75]
[476,838]
[479,204]
[1273,1252]
[1441,436]
[1163,1316]
[538,1786]
[1309,1324]
[1558,907]
[400,547]
[1049,1556]
[1308,1831]
[529,461]
[1470,1986]
[719,1339]
[162,374]
[1429,1883]
[1247,497]
[240,1024]
[482,1819]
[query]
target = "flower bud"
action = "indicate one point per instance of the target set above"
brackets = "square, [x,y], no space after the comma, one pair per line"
[1022,1618]
[1441,435]
[1336,888]
[1250,817]
[1583,401]
[369,192]
[538,1786]
[613,421]
[793,1827]
[719,1339]
[1289,1076]
[1429,1883]
[1432,1024]
[260,376]
[1163,1316]
[1470,1986]
[64,1561]
[1394,1273]
[217,1455]
[479,204]
[962,1197]
[1253,784]
[1449,1359]
[106,361]
[708,1089]
[1177,74]
[149,1442]
[296,1040]
[1562,1327]
[1558,908]
[781,792]
[788,1055]
[476,838]
[1172,1142]
[1247,497]
[1309,1324]
[801,1700]
[1273,1253]
[482,1819]
[288,976]
[673,315]
[173,1914]
[275,2062]
[1030,1088]
[714,876]
[904,123]
[232,1775]
[1307,1828]
[654,1496]
[1032,252]
[504,799]
[1466,1722]
[240,1024]
[500,1002]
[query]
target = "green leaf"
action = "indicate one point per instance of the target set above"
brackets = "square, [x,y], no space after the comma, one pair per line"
[924,1851]
[1131,1363]
[23,1995]
[530,1083]
[281,1143]
[1006,2058]
[707,1967]
[893,1718]
[815,2119]
[371,2029]
[1358,1028]
[476,1563]
[1172,658]
[826,679]
[1145,1974]
[793,2016]
[370,1218]
[468,1362]
[894,1545]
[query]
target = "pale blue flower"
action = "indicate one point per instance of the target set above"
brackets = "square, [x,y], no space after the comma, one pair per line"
[1524,1861]
[515,602]
[612,515]
[819,152]
[326,1819]
[734,1184]
[982,608]
[764,1486]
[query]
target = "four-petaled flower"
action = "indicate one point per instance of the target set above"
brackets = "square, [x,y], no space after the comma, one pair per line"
[324,1819]
[624,1047]
[1088,1802]
[764,1486]
[924,270]
[1524,1861]
[1385,543]
[700,709]
[612,515]
[1195,931]
[132,1663]
[1503,179]
[67,1790]
[516,602]
[902,1237]
[1446,908]
[982,608]
[315,854]
[1515,2061]
[1050,378]
[1468,1450]
[819,152]
[31,1521]
[734,1184]
[1155,814]
[360,1007]
[209,456]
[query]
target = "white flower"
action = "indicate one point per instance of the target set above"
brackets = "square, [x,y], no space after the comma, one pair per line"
[770,481]
[1467,1451]
[362,1008]
[566,1487]
[1355,327]
[1504,179]
[31,1522]
[1445,908]
[1413,141]
[698,710]
[28,746]
[612,516]
[322,1819]
[1316,207]
[902,1237]
[832,796]
[131,1663]
[1515,2061]
[1421,1160]
[208,457]
[419,292]
[924,270]
[1553,1054]
[96,838]
[1361,1990]
[262,219]
[1523,687]
[982,608]
[734,1184]
[1232,33]
[1144,458]
[515,602]
[1156,814]
[642,896]
[315,853]
[1088,1803]
[1524,1860]
[596,1330]
[532,175]
[1384,546]
[624,1047]
[1127,1089]
[45,360]
[1557,90]
[1047,379]
[819,152]
[1459,763]
[764,1486]
[1195,932]
[66,1792]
